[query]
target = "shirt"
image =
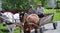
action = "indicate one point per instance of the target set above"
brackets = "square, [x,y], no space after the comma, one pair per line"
[31,12]
[40,10]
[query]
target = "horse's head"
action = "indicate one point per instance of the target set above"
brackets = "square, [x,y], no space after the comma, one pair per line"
[1,13]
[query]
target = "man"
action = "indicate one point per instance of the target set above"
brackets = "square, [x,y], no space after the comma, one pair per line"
[31,10]
[40,11]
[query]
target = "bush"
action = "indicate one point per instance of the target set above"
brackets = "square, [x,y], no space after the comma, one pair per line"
[18,4]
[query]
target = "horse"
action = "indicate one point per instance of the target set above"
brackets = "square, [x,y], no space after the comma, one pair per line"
[30,22]
[9,17]
[15,20]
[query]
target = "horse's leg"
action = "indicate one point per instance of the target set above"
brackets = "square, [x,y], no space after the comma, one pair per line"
[26,31]
[35,30]
[13,27]
[21,29]
[36,27]
[12,30]
[9,28]
[29,29]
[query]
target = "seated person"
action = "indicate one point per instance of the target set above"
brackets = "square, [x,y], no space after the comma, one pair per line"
[40,11]
[31,10]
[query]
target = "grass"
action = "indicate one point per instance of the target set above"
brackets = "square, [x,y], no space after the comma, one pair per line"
[17,30]
[56,18]
[56,13]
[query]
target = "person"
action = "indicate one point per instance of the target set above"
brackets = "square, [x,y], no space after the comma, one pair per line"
[31,10]
[40,11]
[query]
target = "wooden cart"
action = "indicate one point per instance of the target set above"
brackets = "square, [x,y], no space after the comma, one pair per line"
[45,20]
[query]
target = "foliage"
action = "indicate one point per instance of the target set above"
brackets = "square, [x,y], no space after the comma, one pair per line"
[44,2]
[56,14]
[18,4]
[58,4]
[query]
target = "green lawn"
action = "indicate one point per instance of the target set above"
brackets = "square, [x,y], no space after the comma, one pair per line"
[56,14]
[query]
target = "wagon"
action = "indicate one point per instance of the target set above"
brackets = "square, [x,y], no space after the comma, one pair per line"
[48,18]
[45,20]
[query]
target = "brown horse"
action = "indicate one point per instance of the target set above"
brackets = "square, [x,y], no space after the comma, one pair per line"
[31,22]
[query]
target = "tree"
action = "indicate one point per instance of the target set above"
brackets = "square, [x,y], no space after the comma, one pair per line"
[18,4]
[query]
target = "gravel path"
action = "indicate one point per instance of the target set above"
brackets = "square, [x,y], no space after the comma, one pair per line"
[50,27]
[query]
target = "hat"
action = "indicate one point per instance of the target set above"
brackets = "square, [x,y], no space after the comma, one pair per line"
[39,4]
[31,6]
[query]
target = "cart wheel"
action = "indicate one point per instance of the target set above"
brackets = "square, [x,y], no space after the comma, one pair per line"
[54,25]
